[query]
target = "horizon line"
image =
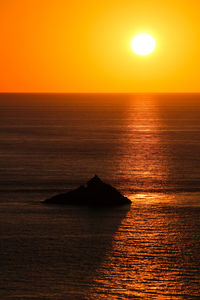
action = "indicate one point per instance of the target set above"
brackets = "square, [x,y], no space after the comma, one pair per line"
[82,93]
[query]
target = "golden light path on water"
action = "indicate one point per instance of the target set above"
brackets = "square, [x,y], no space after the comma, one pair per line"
[143,151]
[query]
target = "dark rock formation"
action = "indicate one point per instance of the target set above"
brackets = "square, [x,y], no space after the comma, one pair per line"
[95,193]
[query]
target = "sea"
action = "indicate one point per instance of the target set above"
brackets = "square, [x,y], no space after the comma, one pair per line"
[145,145]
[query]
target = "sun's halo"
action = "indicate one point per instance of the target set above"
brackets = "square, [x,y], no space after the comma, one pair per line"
[143,44]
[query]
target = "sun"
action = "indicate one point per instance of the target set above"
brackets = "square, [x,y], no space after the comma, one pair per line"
[143,44]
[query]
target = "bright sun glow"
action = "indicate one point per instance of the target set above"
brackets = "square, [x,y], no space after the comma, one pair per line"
[143,44]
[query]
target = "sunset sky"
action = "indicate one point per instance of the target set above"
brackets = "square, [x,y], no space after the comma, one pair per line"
[85,46]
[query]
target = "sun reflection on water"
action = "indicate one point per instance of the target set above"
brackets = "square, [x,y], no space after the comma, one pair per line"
[144,162]
[152,256]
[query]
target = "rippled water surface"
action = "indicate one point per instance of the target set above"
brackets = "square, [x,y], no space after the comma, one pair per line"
[145,145]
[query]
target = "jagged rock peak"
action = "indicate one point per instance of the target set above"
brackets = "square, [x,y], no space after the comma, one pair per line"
[94,180]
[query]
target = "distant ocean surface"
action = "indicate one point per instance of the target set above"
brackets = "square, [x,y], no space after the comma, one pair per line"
[148,147]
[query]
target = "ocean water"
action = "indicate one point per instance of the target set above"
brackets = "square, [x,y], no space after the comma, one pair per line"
[147,146]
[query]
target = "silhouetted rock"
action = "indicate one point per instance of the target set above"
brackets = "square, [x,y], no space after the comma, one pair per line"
[95,193]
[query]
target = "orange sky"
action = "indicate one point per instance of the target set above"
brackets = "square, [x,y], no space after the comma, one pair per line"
[84,46]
